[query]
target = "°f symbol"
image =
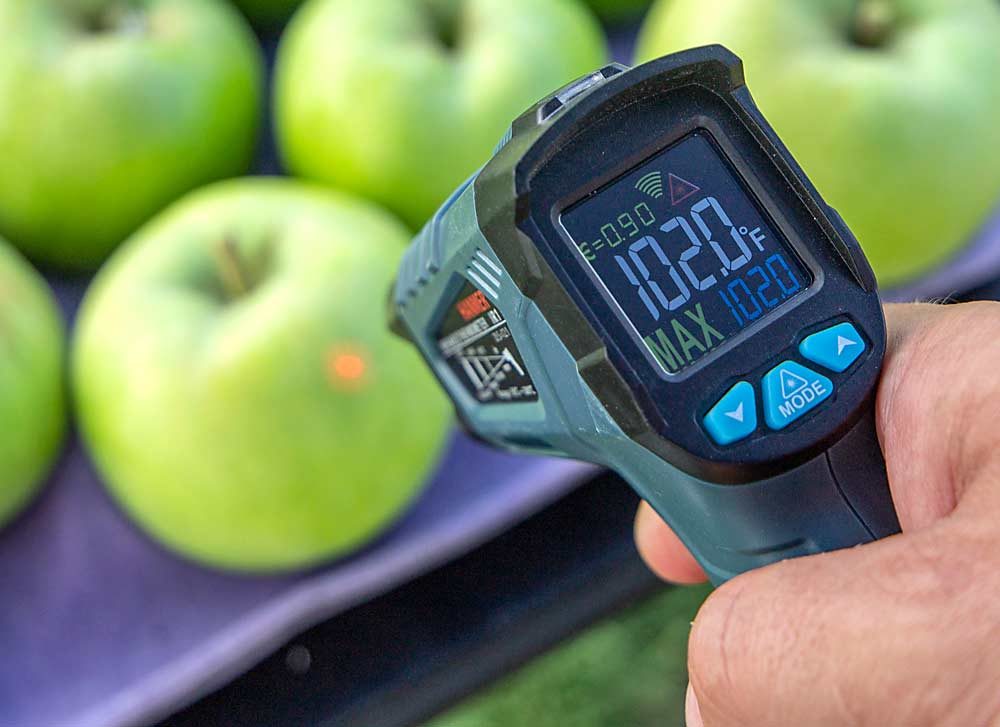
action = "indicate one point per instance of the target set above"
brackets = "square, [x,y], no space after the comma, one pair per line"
[680,189]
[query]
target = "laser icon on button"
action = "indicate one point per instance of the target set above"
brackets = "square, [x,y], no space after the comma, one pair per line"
[791,391]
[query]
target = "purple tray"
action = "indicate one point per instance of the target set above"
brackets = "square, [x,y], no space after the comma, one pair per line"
[100,627]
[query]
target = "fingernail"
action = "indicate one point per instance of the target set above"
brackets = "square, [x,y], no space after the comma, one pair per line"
[692,712]
[640,524]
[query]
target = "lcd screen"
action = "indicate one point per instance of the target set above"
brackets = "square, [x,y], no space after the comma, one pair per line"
[685,252]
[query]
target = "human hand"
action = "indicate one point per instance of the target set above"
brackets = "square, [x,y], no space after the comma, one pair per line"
[904,631]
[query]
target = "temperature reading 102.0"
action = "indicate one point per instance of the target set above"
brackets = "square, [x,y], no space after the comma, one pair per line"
[747,296]
[689,268]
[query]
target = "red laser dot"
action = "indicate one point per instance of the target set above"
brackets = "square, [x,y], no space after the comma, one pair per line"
[347,368]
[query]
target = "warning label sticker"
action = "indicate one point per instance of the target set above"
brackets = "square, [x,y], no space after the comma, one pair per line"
[477,343]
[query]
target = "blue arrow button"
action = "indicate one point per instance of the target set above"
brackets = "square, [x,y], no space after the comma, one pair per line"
[734,417]
[791,391]
[834,348]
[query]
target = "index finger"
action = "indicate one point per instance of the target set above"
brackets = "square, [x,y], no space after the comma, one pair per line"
[663,551]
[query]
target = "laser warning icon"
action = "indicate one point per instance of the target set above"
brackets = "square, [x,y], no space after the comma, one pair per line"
[681,189]
[487,370]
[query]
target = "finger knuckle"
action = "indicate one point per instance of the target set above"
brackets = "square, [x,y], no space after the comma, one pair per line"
[925,570]
[939,397]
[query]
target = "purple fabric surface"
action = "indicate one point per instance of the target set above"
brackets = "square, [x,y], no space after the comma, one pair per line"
[100,626]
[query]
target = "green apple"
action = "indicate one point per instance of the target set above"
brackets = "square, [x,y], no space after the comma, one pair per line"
[110,109]
[401,100]
[32,397]
[268,14]
[238,387]
[891,106]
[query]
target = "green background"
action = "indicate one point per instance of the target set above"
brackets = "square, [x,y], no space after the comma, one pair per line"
[629,671]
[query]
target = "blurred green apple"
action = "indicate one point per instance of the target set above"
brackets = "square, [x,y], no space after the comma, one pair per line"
[238,387]
[268,14]
[401,100]
[32,398]
[110,109]
[891,106]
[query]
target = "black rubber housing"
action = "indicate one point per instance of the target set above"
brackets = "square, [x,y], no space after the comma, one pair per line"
[545,165]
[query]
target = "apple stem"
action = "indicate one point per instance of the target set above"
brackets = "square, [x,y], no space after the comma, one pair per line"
[236,280]
[126,20]
[873,22]
[444,22]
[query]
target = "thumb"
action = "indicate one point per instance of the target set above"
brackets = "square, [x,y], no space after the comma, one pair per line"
[895,632]
[888,634]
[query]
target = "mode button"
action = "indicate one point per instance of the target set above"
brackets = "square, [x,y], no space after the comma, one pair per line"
[791,391]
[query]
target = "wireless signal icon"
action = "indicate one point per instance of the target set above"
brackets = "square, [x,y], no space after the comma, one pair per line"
[651,184]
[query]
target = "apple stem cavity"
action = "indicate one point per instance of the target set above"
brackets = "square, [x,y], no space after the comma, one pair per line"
[444,22]
[873,23]
[233,269]
[117,19]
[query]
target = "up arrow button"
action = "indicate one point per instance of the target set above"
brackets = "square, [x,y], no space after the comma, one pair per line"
[834,348]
